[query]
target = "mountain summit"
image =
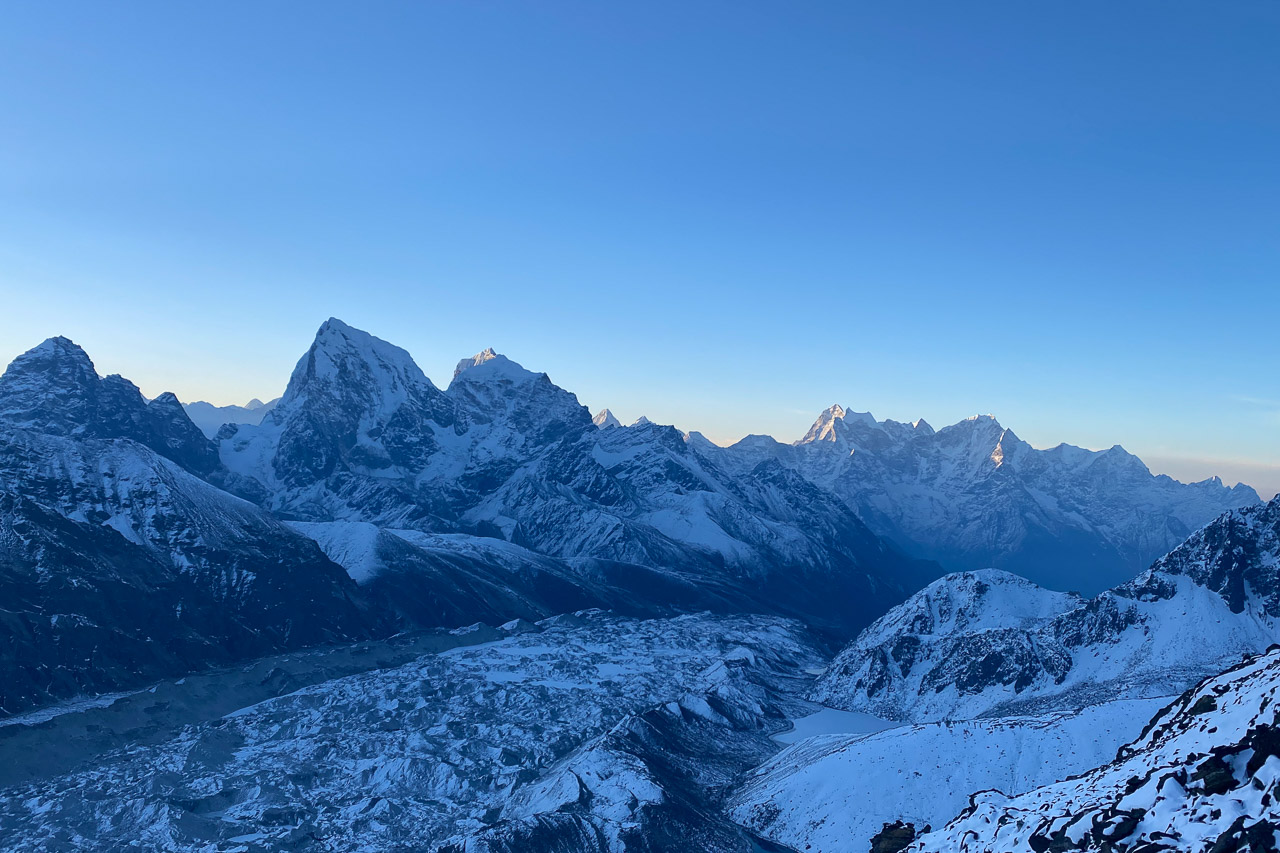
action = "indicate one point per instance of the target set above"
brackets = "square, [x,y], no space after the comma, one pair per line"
[974,495]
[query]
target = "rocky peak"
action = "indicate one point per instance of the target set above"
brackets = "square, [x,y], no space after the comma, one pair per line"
[605,419]
[492,389]
[1237,555]
[354,374]
[54,389]
[836,425]
[483,357]
[355,400]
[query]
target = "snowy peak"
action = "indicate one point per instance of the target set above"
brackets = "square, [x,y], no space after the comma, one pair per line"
[52,387]
[354,365]
[210,418]
[354,401]
[823,428]
[605,419]
[1008,448]
[970,602]
[1237,556]
[489,366]
[496,392]
[641,421]
[483,357]
[844,429]
[982,643]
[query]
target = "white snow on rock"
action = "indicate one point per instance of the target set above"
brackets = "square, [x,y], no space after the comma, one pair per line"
[830,794]
[1204,774]
[605,419]
[990,644]
[973,495]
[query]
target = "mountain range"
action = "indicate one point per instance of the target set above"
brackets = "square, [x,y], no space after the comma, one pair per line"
[495,498]
[210,418]
[983,644]
[378,612]
[974,496]
[1034,703]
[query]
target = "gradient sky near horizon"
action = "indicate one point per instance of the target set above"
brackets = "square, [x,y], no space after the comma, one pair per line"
[725,216]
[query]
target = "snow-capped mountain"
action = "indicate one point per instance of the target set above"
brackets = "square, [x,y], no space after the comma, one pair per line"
[1204,774]
[991,644]
[361,435]
[210,418]
[118,564]
[973,495]
[605,419]
[54,389]
[835,793]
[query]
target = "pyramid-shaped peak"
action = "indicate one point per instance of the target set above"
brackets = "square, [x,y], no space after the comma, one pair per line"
[347,363]
[641,421]
[166,400]
[53,384]
[56,357]
[605,419]
[832,423]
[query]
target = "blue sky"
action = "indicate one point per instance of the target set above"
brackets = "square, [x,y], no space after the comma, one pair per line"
[721,215]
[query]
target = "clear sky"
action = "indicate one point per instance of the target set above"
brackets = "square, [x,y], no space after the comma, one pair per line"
[725,216]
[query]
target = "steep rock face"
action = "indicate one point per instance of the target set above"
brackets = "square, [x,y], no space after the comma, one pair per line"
[1194,611]
[54,389]
[118,567]
[356,423]
[513,415]
[1203,775]
[605,419]
[973,495]
[506,453]
[644,496]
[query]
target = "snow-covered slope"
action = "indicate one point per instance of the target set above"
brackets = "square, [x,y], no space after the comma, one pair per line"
[834,793]
[362,436]
[54,389]
[1204,775]
[973,495]
[210,418]
[990,644]
[119,565]
[449,579]
[572,735]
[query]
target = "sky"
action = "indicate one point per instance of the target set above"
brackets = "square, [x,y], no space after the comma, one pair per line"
[725,216]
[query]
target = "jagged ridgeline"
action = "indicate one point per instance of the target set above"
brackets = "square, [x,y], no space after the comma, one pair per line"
[1000,684]
[368,501]
[988,644]
[975,496]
